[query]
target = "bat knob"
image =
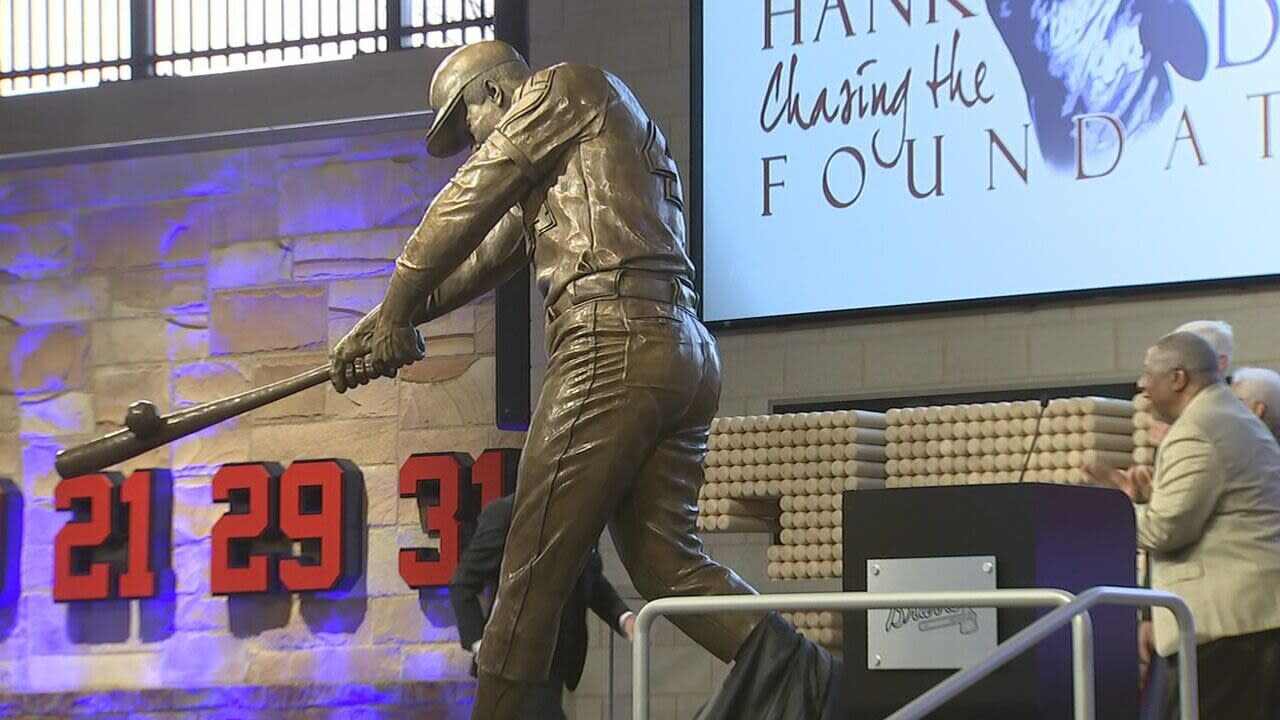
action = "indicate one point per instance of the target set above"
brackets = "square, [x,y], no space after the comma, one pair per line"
[143,418]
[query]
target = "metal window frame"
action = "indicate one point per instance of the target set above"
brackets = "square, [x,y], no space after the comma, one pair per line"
[142,57]
[1069,608]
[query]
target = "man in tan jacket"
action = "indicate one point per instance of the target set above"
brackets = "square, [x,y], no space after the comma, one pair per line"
[1211,522]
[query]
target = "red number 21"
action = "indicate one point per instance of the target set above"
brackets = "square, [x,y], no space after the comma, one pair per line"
[109,513]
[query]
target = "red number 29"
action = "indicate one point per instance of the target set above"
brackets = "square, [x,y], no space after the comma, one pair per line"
[315,504]
[253,490]
[321,507]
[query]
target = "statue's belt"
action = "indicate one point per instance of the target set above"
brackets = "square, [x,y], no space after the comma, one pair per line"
[639,284]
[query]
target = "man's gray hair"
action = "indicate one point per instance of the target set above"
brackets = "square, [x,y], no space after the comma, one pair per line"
[1217,333]
[1260,385]
[1187,351]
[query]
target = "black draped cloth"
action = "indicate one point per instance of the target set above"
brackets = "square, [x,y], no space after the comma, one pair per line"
[778,674]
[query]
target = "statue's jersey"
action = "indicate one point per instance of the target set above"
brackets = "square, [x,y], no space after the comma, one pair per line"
[578,166]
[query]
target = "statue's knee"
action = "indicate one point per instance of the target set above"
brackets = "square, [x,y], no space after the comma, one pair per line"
[649,585]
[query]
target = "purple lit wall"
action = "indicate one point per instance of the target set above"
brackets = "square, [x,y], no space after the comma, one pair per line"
[182,279]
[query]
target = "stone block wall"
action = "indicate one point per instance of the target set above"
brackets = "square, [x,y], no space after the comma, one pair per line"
[183,279]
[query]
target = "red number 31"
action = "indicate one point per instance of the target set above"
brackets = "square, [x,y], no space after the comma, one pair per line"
[450,490]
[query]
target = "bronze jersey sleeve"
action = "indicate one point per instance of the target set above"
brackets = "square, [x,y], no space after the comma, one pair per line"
[554,108]
[503,251]
[544,117]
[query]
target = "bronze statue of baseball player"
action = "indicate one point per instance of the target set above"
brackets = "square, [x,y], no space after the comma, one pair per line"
[569,172]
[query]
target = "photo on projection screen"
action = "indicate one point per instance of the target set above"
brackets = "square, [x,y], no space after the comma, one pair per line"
[864,154]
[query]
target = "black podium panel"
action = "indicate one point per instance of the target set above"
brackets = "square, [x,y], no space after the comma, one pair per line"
[1051,536]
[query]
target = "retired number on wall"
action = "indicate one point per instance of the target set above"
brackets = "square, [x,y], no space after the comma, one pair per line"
[117,543]
[450,490]
[315,506]
[297,530]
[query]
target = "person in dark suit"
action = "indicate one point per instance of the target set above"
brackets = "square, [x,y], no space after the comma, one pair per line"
[479,568]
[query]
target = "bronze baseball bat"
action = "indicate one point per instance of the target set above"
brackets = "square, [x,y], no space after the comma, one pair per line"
[146,429]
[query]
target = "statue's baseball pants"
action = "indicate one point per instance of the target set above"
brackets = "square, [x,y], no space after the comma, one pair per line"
[617,440]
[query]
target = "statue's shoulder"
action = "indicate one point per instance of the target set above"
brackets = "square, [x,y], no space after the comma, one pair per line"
[565,94]
[570,81]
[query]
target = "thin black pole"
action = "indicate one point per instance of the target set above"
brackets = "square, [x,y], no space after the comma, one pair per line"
[512,384]
[393,24]
[141,43]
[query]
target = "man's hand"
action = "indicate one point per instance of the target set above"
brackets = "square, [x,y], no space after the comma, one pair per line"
[1104,475]
[1139,478]
[393,346]
[1146,642]
[629,627]
[349,364]
[1134,482]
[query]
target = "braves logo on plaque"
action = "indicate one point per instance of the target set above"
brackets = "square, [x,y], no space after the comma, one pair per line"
[930,638]
[929,619]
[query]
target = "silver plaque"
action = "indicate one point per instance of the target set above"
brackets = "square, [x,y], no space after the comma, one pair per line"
[930,638]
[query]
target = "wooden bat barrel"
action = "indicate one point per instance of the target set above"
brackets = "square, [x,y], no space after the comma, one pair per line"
[126,443]
[147,431]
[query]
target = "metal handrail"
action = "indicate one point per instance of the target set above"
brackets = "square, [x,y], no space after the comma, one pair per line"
[1069,609]
[1081,631]
[1026,638]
